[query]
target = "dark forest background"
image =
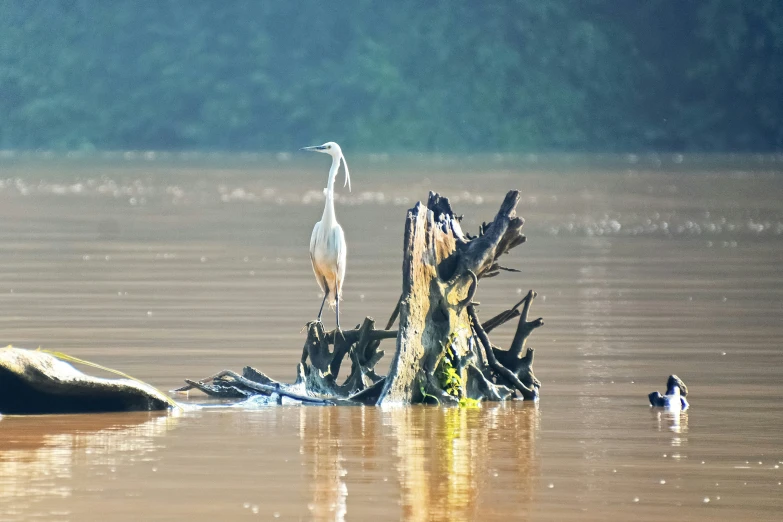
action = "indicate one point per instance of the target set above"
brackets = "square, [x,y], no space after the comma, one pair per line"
[414,75]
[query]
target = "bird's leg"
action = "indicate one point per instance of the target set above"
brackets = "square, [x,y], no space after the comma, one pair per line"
[326,294]
[339,331]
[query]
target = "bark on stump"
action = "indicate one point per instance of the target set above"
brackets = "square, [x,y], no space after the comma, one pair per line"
[440,274]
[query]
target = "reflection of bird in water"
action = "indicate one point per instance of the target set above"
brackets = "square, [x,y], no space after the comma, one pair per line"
[322,432]
[674,400]
[327,244]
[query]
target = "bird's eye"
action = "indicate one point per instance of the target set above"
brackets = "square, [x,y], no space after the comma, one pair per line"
[328,146]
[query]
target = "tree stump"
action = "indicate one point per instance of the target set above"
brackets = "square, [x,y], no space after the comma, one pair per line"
[439,327]
[443,352]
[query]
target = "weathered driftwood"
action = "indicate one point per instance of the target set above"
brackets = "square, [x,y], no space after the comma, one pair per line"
[443,352]
[34,382]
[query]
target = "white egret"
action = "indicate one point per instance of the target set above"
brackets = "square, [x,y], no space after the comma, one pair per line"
[327,244]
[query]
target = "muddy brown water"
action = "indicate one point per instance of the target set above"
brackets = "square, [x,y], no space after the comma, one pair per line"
[176,267]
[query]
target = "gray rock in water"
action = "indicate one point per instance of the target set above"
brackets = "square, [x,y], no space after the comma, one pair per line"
[34,382]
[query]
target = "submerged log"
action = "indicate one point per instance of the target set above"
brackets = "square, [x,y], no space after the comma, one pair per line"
[34,382]
[443,352]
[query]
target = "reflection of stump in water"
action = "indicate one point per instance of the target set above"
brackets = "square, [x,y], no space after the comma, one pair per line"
[451,464]
[448,460]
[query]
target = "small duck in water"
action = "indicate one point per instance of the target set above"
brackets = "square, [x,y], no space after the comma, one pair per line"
[674,400]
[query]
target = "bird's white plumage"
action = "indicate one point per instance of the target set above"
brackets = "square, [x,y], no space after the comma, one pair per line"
[328,251]
[328,255]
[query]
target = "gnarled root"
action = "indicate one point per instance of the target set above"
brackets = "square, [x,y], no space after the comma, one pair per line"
[316,381]
[509,367]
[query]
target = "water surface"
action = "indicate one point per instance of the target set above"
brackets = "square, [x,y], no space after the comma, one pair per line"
[172,268]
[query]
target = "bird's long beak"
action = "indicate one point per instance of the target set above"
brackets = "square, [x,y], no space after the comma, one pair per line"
[314,148]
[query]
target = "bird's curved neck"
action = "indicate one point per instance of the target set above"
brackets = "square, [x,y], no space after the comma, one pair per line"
[329,217]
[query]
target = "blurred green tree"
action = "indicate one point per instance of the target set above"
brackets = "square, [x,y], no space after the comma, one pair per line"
[459,75]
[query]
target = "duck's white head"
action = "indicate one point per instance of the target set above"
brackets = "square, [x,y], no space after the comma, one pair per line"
[333,149]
